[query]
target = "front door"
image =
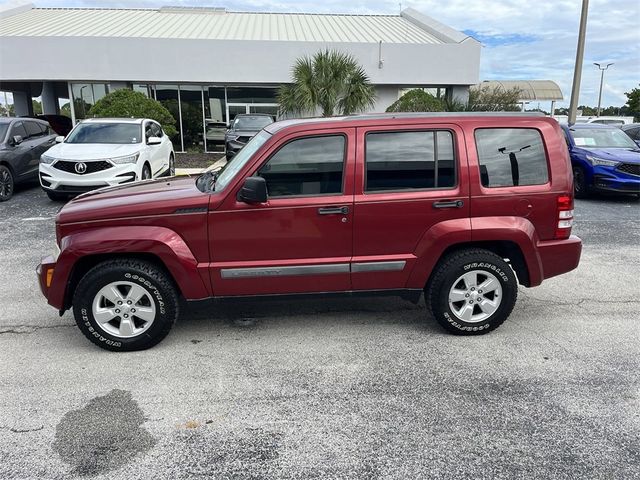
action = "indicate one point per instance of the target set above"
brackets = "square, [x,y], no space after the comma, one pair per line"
[300,240]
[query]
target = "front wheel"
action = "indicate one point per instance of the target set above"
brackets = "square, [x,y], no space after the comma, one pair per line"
[6,183]
[124,305]
[146,172]
[580,187]
[171,172]
[472,292]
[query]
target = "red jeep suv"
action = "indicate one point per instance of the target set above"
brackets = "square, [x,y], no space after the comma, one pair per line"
[463,207]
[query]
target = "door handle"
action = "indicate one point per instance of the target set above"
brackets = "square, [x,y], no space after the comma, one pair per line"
[333,210]
[449,204]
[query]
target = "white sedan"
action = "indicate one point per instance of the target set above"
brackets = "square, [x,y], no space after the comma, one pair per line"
[103,152]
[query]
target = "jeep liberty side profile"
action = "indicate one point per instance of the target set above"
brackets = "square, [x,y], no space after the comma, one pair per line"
[462,207]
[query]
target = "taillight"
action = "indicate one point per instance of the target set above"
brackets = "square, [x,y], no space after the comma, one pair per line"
[565,216]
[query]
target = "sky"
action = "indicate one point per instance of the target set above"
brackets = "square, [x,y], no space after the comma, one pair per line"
[522,39]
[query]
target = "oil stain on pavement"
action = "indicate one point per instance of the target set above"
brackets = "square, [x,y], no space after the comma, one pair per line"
[106,434]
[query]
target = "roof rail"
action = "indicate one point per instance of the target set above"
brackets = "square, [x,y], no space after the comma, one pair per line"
[375,116]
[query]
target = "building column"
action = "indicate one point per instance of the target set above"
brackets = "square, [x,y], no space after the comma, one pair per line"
[22,104]
[49,99]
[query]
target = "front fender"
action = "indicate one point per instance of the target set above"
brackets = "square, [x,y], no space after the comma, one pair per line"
[163,243]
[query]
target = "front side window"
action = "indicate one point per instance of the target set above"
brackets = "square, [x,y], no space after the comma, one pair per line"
[33,129]
[415,160]
[510,157]
[108,132]
[18,129]
[307,166]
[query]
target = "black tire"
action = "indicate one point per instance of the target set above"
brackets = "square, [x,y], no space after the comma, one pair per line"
[445,276]
[580,187]
[57,197]
[146,172]
[6,183]
[153,279]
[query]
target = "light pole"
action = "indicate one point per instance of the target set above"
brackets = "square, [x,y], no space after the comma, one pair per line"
[577,72]
[602,70]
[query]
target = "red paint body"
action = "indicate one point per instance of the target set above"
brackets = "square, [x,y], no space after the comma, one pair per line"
[196,235]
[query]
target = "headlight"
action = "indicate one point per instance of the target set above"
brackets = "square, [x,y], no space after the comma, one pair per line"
[127,159]
[46,159]
[595,161]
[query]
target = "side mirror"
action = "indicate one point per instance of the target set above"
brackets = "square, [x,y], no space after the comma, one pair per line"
[254,190]
[16,139]
[154,141]
[59,139]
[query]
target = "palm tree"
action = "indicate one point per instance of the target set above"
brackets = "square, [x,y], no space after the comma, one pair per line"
[330,80]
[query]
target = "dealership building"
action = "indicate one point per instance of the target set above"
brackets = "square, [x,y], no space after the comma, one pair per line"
[206,65]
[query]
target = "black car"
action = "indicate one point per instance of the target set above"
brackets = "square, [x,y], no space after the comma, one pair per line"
[242,129]
[22,141]
[633,130]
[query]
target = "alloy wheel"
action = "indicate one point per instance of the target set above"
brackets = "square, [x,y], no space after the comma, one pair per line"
[475,296]
[124,309]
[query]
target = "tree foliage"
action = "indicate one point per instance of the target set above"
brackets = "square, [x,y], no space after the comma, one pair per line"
[493,99]
[417,100]
[126,103]
[331,81]
[633,102]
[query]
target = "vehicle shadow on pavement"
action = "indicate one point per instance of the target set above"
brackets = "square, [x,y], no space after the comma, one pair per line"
[243,313]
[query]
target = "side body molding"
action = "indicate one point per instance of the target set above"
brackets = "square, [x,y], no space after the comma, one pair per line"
[161,242]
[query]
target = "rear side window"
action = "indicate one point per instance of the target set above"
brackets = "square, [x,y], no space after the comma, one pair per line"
[511,157]
[306,167]
[409,160]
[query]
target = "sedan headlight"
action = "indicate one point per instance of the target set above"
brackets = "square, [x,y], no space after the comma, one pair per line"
[46,159]
[601,162]
[127,159]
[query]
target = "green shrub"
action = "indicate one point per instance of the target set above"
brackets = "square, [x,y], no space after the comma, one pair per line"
[417,100]
[126,103]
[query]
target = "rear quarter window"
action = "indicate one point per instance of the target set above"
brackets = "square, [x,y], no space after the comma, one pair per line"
[511,157]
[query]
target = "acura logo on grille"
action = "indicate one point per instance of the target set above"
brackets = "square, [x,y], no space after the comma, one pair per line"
[81,167]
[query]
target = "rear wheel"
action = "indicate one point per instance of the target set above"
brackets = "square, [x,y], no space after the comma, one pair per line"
[6,183]
[472,292]
[125,305]
[580,187]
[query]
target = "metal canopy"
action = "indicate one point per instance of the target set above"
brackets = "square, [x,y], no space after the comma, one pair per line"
[530,89]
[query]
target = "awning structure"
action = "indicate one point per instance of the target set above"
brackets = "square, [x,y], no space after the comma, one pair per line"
[531,90]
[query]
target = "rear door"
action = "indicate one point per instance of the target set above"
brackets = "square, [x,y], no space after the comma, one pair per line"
[301,239]
[21,153]
[408,179]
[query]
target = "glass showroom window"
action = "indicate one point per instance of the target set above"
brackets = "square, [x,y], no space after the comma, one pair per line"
[192,118]
[215,118]
[85,95]
[168,96]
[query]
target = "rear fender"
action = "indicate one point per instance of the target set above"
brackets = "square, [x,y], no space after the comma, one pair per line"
[161,242]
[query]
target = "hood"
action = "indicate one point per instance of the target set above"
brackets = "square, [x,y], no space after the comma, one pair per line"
[244,132]
[626,155]
[92,151]
[140,199]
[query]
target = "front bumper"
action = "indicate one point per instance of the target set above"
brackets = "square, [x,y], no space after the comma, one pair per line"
[608,183]
[57,180]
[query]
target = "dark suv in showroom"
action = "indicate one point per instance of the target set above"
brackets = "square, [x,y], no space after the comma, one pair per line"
[22,141]
[242,129]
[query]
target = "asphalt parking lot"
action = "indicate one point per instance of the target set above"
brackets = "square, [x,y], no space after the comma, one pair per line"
[342,389]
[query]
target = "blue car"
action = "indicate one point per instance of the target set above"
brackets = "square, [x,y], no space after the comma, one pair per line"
[603,158]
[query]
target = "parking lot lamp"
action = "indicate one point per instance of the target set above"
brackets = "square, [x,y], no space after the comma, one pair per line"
[602,70]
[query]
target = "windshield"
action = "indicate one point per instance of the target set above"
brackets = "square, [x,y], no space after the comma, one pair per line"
[601,138]
[242,157]
[256,122]
[108,132]
[3,130]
